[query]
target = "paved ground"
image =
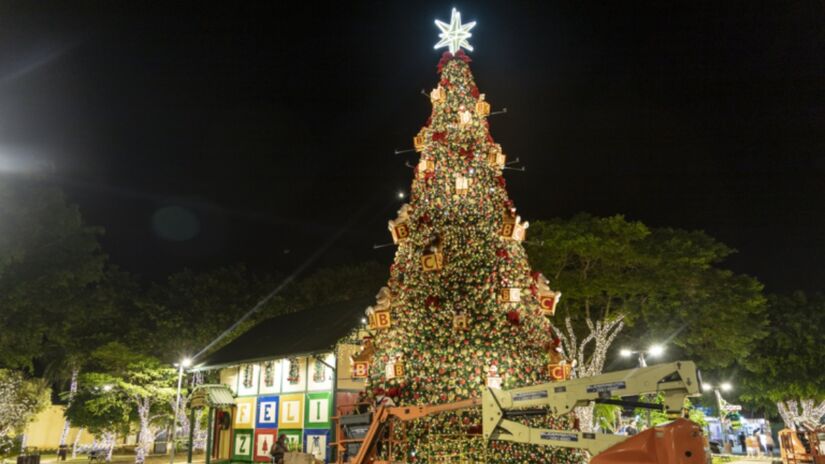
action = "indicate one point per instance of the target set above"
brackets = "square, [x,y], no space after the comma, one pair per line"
[116,459]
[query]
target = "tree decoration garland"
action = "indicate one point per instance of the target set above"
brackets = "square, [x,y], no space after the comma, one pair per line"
[247,375]
[318,371]
[294,374]
[269,373]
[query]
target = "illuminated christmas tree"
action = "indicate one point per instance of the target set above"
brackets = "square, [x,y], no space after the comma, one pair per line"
[462,309]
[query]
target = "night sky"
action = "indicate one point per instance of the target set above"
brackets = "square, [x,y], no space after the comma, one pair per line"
[254,132]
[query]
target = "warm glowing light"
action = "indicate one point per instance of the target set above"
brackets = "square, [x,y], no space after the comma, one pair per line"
[656,350]
[726,386]
[186,362]
[625,353]
[707,387]
[401,195]
[454,35]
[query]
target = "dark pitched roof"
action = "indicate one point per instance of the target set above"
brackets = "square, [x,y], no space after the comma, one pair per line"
[301,333]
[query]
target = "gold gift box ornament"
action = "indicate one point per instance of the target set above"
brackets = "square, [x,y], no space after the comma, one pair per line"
[461,321]
[399,227]
[425,165]
[513,228]
[420,140]
[438,95]
[464,117]
[462,185]
[509,295]
[482,107]
[496,158]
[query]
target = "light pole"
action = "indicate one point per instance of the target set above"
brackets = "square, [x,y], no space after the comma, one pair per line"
[726,387]
[185,362]
[654,350]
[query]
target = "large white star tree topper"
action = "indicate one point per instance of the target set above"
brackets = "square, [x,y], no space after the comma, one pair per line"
[454,35]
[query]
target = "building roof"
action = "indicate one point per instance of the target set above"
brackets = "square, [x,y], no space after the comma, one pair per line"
[213,396]
[306,332]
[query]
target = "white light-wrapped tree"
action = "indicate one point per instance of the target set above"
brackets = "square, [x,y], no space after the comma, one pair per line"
[786,369]
[141,383]
[622,279]
[20,400]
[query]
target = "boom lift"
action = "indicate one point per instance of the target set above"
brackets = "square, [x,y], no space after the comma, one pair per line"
[678,442]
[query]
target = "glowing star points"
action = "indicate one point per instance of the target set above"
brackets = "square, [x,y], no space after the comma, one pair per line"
[454,35]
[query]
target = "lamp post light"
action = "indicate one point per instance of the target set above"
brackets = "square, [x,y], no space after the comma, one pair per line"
[654,351]
[185,362]
[725,387]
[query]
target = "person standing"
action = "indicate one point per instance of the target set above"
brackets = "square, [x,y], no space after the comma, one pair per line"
[279,450]
[769,443]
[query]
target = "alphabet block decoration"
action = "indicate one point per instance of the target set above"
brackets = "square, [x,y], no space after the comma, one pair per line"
[291,411]
[263,443]
[420,140]
[242,445]
[509,295]
[394,369]
[360,369]
[361,361]
[432,262]
[513,228]
[548,301]
[267,416]
[400,228]
[560,371]
[379,319]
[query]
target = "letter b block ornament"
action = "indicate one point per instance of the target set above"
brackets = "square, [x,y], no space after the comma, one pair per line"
[360,369]
[380,320]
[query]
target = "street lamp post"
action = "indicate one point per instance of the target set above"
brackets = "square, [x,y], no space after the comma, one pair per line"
[724,386]
[186,362]
[654,350]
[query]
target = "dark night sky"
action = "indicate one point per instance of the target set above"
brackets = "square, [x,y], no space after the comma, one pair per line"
[263,127]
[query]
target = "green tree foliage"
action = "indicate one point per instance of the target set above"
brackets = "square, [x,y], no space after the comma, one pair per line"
[141,383]
[335,284]
[191,308]
[789,363]
[666,283]
[48,259]
[20,399]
